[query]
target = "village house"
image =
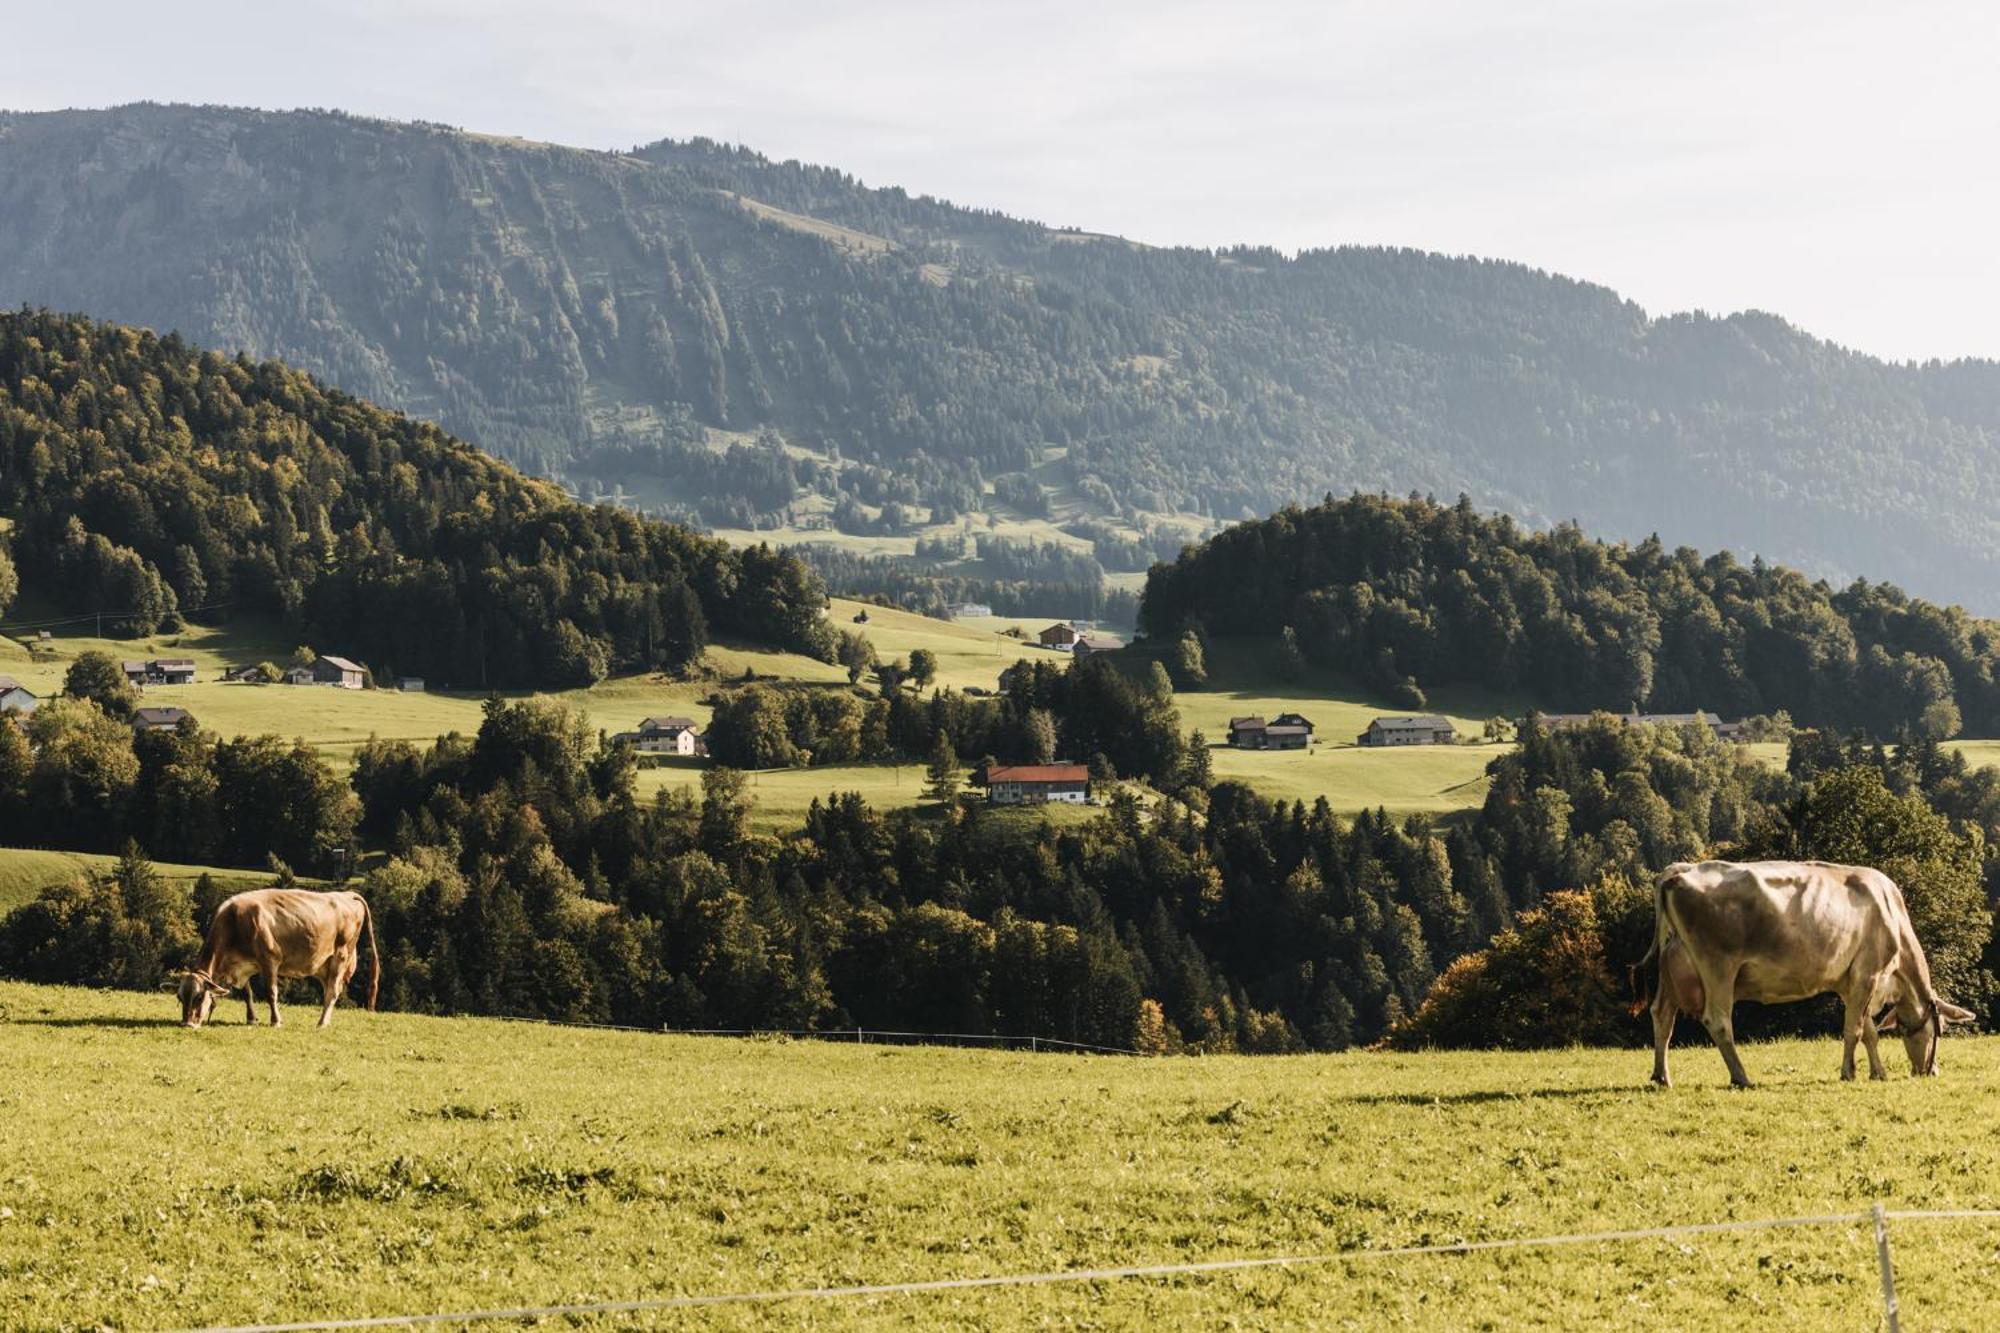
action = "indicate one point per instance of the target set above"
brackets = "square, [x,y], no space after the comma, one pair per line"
[1425,729]
[298,675]
[665,735]
[1061,636]
[410,684]
[339,672]
[1086,644]
[1037,784]
[157,719]
[243,675]
[968,610]
[1286,731]
[160,671]
[1722,731]
[16,698]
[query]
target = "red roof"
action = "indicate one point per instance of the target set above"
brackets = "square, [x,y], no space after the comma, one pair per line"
[1038,773]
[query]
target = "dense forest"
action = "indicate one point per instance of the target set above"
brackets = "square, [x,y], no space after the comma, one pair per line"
[655,320]
[148,480]
[1410,594]
[522,875]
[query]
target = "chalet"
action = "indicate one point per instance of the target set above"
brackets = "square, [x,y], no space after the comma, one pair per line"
[1247,733]
[1722,731]
[1061,636]
[160,671]
[968,610]
[1086,644]
[1037,784]
[16,698]
[158,719]
[1420,730]
[665,735]
[243,675]
[298,675]
[410,684]
[1286,731]
[338,672]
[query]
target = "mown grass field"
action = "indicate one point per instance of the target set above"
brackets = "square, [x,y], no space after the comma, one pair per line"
[25,873]
[159,1178]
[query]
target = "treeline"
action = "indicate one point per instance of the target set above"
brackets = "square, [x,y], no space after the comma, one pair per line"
[146,479]
[523,875]
[1086,710]
[1407,595]
[79,778]
[908,585]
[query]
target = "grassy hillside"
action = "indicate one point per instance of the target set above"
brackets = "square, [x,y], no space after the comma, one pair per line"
[25,873]
[397,1164]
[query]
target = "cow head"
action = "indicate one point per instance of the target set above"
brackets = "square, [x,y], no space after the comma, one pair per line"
[1920,1026]
[198,992]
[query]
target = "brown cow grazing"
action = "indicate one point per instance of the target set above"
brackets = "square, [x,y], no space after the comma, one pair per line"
[1777,931]
[273,933]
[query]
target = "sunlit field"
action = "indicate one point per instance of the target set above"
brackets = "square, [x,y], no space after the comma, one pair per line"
[397,1165]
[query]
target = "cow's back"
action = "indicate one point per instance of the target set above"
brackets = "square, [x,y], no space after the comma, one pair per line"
[299,929]
[1788,929]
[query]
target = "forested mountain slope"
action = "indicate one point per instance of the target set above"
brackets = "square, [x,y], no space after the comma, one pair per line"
[144,477]
[617,319]
[1410,594]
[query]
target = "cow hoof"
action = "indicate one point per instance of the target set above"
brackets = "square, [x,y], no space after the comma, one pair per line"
[1847,1076]
[1740,1084]
[1662,1081]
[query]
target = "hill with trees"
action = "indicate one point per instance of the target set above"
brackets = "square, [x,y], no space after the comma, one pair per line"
[146,479]
[725,337]
[1409,594]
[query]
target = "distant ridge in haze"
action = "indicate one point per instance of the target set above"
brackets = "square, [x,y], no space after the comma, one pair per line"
[617,319]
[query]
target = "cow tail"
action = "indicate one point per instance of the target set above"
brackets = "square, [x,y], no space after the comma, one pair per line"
[1647,969]
[374,955]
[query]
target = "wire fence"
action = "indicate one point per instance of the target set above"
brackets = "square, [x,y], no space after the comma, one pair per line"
[853,1035]
[1877,1217]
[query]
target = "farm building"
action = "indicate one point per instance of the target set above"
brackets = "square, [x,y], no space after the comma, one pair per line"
[1037,784]
[160,671]
[339,672]
[298,675]
[243,675]
[969,610]
[1061,636]
[410,684]
[1722,731]
[1424,729]
[158,719]
[665,735]
[1286,731]
[1086,644]
[16,698]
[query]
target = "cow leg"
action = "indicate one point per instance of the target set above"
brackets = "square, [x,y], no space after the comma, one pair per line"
[1876,1071]
[271,985]
[250,1001]
[1854,1021]
[1664,1014]
[1716,1016]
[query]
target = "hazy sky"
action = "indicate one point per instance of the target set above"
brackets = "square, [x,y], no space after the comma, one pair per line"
[1833,163]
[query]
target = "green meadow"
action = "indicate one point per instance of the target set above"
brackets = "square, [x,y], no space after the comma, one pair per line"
[394,1164]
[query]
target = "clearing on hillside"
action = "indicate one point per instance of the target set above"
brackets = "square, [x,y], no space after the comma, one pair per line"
[403,1165]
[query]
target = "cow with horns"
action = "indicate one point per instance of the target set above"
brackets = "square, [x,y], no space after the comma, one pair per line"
[274,933]
[1776,931]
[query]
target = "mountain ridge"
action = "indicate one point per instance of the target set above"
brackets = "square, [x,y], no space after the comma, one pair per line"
[619,319]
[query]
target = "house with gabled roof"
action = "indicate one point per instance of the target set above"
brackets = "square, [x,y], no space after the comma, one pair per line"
[1037,784]
[1418,729]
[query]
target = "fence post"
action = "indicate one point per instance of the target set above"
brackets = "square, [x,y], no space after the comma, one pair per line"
[857,1034]
[1888,1272]
[1034,1044]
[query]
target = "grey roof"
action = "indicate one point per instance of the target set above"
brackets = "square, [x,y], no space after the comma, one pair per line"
[339,663]
[666,724]
[158,716]
[1416,722]
[9,683]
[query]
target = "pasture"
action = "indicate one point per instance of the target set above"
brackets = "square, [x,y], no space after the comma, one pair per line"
[395,1164]
[24,873]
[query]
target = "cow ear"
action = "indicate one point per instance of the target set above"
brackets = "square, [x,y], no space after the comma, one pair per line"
[1951,1013]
